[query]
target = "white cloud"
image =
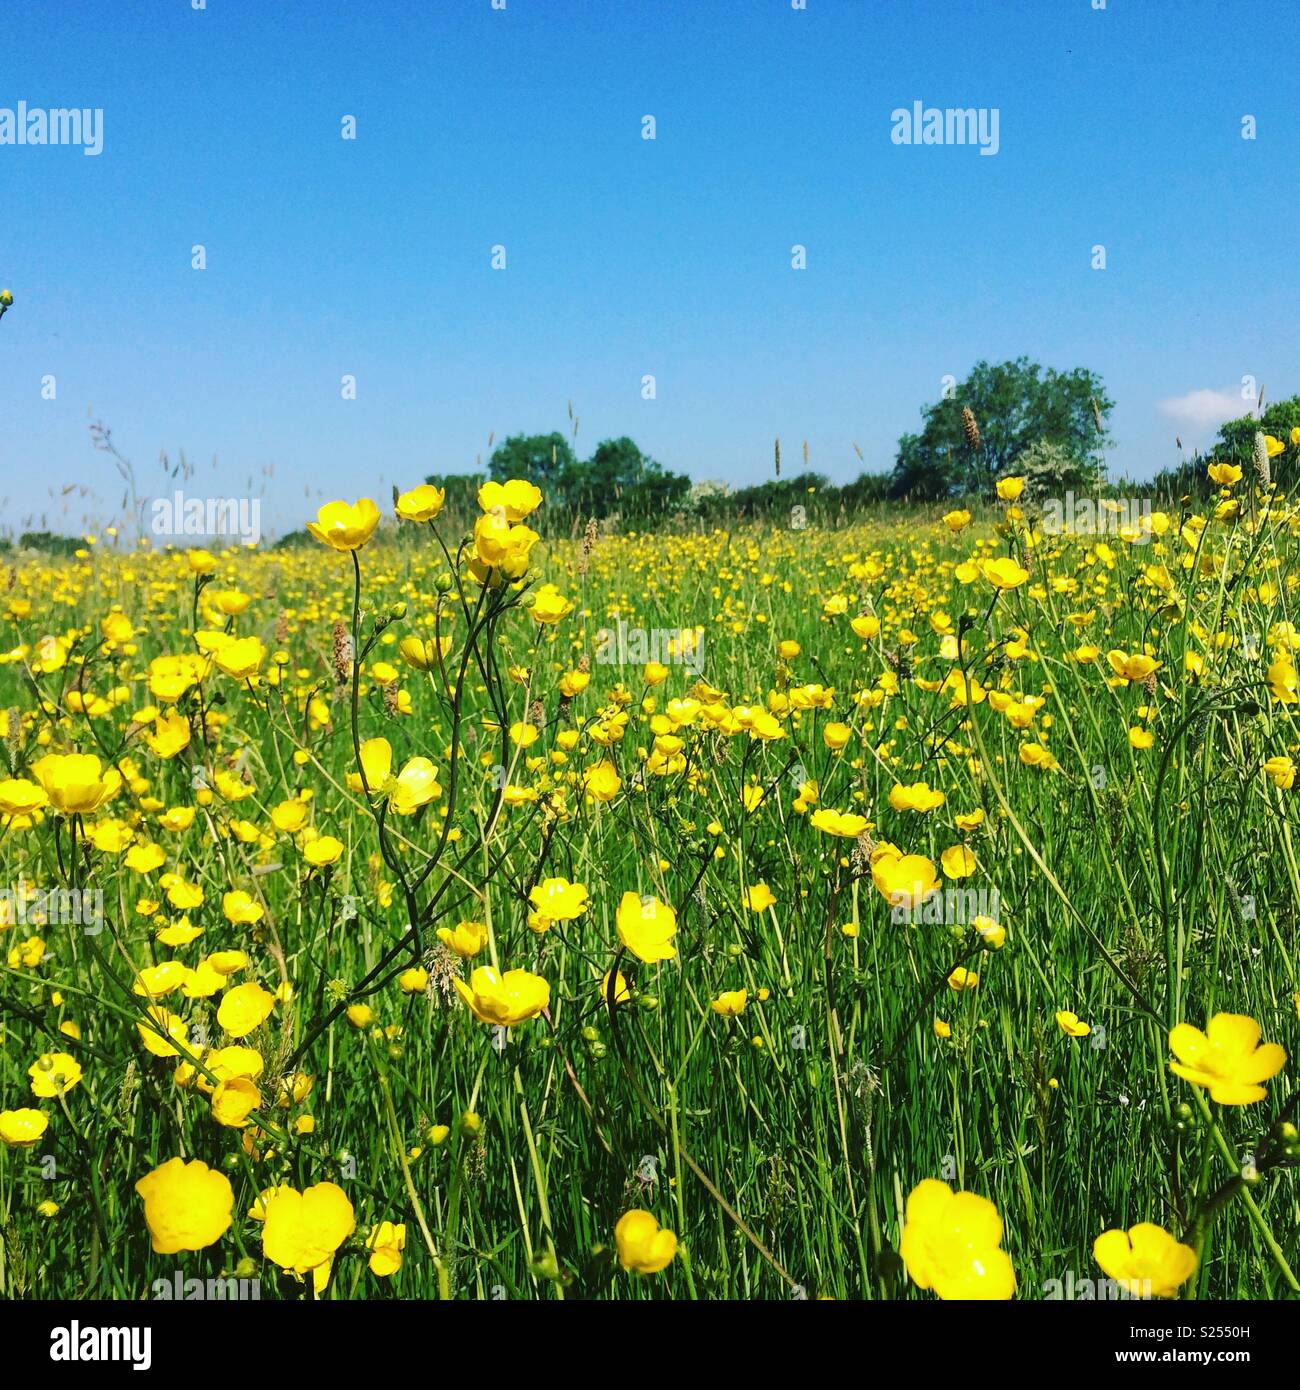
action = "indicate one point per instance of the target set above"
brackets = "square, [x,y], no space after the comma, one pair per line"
[1205,410]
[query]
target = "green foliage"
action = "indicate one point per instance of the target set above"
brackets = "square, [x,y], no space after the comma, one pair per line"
[775,501]
[295,540]
[618,479]
[1050,470]
[1236,444]
[545,459]
[1016,405]
[49,542]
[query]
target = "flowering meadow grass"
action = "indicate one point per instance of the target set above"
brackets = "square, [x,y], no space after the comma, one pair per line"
[905,910]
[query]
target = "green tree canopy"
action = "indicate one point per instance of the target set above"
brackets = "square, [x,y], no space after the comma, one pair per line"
[1015,405]
[617,477]
[544,459]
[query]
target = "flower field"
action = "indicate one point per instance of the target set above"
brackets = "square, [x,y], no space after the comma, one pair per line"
[449,909]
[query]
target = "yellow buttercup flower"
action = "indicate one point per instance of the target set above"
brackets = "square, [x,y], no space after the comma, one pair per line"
[759,897]
[386,1243]
[646,927]
[234,1100]
[836,736]
[422,503]
[241,659]
[917,797]
[54,1074]
[558,900]
[301,1231]
[1283,684]
[171,676]
[1132,667]
[905,881]
[1227,1059]
[730,1003]
[1146,1260]
[19,797]
[422,654]
[622,994]
[344,526]
[1280,770]
[505,999]
[644,1247]
[170,735]
[1072,1025]
[323,851]
[227,962]
[516,499]
[1009,489]
[76,783]
[417,784]
[244,1008]
[187,1206]
[22,1128]
[376,763]
[240,908]
[1004,573]
[467,939]
[227,1063]
[601,781]
[156,981]
[501,549]
[846,824]
[160,1030]
[549,605]
[951,1243]
[957,862]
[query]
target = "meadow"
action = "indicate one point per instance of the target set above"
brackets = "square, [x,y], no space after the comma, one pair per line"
[904,909]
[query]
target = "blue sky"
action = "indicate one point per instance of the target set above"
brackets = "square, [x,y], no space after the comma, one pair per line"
[522,127]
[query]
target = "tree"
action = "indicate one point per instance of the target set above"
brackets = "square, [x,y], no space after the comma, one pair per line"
[1014,405]
[544,459]
[617,477]
[1051,470]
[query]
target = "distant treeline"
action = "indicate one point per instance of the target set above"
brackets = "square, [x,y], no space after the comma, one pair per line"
[1013,417]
